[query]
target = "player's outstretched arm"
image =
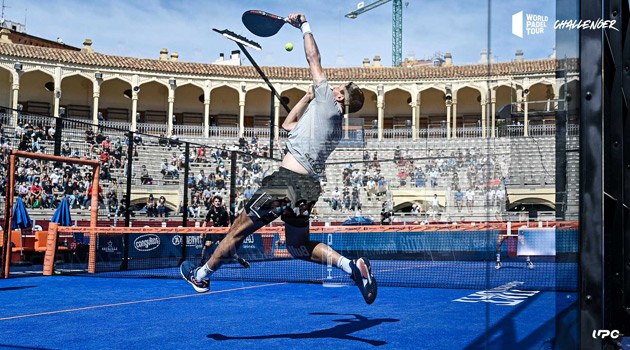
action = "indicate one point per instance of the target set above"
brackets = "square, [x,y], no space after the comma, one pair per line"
[313,58]
[296,113]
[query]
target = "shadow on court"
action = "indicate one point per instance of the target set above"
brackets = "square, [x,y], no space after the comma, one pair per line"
[341,331]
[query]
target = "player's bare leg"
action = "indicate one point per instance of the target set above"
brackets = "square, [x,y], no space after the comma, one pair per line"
[301,247]
[242,227]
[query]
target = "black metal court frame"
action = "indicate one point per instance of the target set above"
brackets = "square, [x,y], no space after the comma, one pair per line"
[604,249]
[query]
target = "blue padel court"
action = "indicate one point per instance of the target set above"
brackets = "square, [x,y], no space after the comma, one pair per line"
[73,312]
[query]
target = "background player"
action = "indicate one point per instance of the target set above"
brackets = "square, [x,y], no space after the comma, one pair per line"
[292,191]
[500,240]
[220,218]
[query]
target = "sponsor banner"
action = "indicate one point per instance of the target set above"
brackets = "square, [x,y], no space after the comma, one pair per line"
[109,247]
[167,245]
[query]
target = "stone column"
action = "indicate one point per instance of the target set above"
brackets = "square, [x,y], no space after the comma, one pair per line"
[15,89]
[276,118]
[484,106]
[56,99]
[418,114]
[448,119]
[414,116]
[241,118]
[95,97]
[134,110]
[454,118]
[380,106]
[525,119]
[169,116]
[206,116]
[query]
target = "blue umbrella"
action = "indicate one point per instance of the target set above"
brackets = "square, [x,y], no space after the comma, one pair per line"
[358,221]
[21,220]
[62,215]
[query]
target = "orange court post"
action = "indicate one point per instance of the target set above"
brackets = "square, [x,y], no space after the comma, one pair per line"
[51,243]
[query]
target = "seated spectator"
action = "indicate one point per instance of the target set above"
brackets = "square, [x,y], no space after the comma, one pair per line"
[70,193]
[370,188]
[336,199]
[162,141]
[346,199]
[145,178]
[104,157]
[248,193]
[470,197]
[89,136]
[459,199]
[433,176]
[172,170]
[194,209]
[150,206]
[201,155]
[356,200]
[106,144]
[112,206]
[161,207]
[402,175]
[137,140]
[35,199]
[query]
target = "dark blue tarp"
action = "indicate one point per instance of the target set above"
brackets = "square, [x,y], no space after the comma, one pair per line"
[358,221]
[62,215]
[21,219]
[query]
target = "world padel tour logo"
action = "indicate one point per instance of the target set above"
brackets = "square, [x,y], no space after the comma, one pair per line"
[533,24]
[501,295]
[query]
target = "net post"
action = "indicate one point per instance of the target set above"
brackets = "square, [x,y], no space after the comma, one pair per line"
[185,204]
[125,261]
[94,219]
[6,256]
[51,249]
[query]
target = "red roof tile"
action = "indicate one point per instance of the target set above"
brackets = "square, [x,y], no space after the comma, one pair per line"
[18,51]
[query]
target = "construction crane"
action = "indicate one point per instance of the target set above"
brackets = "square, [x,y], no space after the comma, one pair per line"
[396,25]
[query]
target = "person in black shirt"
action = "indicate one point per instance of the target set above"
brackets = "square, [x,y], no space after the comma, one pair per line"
[220,218]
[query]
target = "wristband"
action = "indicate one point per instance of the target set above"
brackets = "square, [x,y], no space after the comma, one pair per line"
[306,28]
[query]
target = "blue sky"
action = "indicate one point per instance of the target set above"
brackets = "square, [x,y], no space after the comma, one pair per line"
[142,28]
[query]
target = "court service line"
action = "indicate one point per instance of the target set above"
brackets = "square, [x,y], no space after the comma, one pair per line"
[139,301]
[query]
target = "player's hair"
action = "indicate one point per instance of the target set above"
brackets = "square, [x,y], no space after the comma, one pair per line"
[217,197]
[355,98]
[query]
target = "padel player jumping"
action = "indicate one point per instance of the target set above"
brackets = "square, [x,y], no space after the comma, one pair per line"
[314,127]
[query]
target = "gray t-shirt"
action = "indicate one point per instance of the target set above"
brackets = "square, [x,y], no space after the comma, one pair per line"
[318,132]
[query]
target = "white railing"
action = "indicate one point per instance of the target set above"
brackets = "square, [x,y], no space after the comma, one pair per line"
[223,131]
[469,132]
[5,118]
[542,130]
[260,132]
[573,129]
[152,129]
[113,124]
[35,119]
[192,130]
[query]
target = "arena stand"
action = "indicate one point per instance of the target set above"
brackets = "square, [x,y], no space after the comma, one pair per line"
[504,163]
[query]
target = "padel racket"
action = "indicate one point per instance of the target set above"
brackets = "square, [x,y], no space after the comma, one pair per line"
[262,23]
